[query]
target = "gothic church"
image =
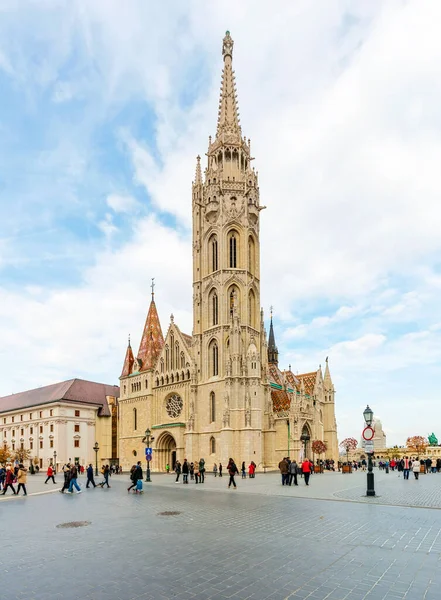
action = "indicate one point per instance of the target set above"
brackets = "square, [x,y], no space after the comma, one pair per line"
[219,392]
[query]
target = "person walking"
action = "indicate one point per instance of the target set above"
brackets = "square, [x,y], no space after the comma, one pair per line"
[167,468]
[66,474]
[283,467]
[220,469]
[406,467]
[306,469]
[251,470]
[215,469]
[202,470]
[135,474]
[106,474]
[191,471]
[416,468]
[2,477]
[9,481]
[73,480]
[177,471]
[232,470]
[90,479]
[243,470]
[185,471]
[50,473]
[21,479]
[293,473]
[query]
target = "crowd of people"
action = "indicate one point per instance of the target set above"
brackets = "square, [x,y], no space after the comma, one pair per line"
[13,475]
[291,469]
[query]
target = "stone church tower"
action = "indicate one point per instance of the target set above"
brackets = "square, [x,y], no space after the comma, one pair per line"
[219,392]
[228,336]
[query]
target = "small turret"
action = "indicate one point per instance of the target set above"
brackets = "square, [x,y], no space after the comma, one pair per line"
[273,353]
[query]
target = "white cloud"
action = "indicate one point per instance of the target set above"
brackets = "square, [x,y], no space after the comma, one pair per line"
[123,203]
[107,226]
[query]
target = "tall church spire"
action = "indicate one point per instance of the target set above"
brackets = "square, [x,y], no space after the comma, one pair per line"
[152,339]
[327,381]
[198,176]
[273,353]
[228,118]
[128,361]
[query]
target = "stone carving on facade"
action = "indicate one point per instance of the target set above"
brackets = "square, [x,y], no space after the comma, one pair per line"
[234,207]
[247,410]
[226,413]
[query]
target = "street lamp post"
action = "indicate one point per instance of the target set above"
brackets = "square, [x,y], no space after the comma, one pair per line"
[305,439]
[96,448]
[148,439]
[368,415]
[55,462]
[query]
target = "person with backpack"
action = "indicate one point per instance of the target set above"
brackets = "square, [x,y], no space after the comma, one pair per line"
[50,473]
[21,479]
[178,471]
[9,481]
[202,470]
[73,481]
[232,470]
[106,474]
[135,474]
[90,478]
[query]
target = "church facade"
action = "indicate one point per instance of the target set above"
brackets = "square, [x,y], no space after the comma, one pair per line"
[219,392]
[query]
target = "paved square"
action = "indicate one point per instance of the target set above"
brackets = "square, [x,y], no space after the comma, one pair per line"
[258,542]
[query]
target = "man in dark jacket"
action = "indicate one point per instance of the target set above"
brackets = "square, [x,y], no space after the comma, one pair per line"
[293,473]
[284,471]
[73,480]
[185,471]
[66,472]
[90,479]
[136,474]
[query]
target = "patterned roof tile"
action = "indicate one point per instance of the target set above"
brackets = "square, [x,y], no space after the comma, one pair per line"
[152,339]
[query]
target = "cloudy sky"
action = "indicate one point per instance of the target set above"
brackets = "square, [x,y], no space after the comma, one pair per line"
[103,108]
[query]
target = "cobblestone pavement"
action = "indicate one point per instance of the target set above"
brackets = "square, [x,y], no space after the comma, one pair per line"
[221,545]
[390,489]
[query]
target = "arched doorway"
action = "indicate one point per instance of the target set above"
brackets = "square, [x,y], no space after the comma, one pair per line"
[305,439]
[166,451]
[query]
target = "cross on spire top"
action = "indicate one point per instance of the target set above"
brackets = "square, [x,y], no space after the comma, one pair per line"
[153,288]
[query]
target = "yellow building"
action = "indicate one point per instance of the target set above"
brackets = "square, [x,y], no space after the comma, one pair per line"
[219,392]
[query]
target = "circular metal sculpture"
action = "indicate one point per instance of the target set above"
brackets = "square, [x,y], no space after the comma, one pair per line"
[174,406]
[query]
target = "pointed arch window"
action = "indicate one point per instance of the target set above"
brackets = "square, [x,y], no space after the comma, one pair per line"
[182,360]
[214,358]
[162,365]
[213,249]
[176,356]
[172,351]
[212,445]
[251,255]
[167,358]
[252,309]
[232,250]
[135,419]
[215,309]
[212,407]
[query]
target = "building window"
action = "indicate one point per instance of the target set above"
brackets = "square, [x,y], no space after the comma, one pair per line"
[135,419]
[232,249]
[76,443]
[212,407]
[41,428]
[162,365]
[214,359]
[30,416]
[41,414]
[41,444]
[52,428]
[214,309]
[212,445]
[21,431]
[51,443]
[125,387]
[21,417]
[4,420]
[31,430]
[31,445]
[146,384]
[51,412]
[13,418]
[13,446]
[21,446]
[252,309]
[251,255]
[213,253]
[77,429]
[77,413]
[182,360]
[5,434]
[13,433]
[167,358]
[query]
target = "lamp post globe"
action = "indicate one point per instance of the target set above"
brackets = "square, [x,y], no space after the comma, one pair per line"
[368,415]
[96,448]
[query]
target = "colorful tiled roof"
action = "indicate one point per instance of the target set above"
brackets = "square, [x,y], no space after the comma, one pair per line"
[291,378]
[73,390]
[152,339]
[281,401]
[128,362]
[308,381]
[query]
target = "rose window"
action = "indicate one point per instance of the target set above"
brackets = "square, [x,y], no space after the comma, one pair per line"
[174,406]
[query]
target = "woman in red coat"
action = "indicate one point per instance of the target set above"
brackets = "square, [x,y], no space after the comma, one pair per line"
[306,470]
[50,473]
